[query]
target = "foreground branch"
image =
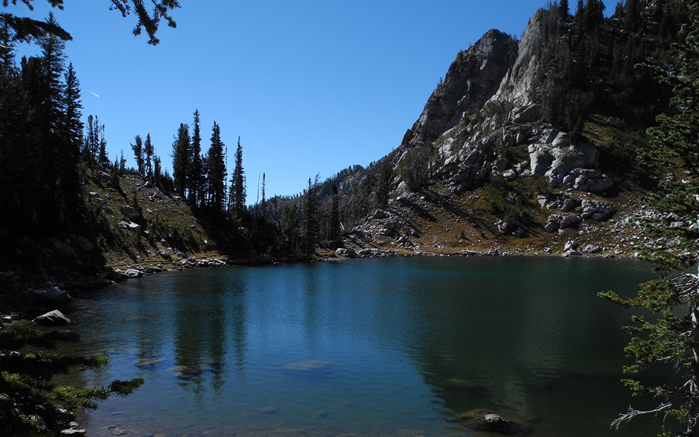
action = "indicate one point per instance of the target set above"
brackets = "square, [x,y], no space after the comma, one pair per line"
[633,413]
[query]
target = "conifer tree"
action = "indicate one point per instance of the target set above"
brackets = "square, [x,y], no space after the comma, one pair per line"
[102,158]
[264,201]
[310,217]
[16,144]
[195,169]
[335,215]
[70,176]
[157,171]
[238,191]
[138,154]
[73,109]
[27,29]
[48,95]
[148,152]
[671,336]
[180,159]
[91,139]
[216,171]
[564,9]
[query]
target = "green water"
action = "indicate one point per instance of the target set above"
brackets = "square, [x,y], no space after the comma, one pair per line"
[364,347]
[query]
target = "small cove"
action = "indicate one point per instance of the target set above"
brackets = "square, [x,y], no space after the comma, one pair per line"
[394,346]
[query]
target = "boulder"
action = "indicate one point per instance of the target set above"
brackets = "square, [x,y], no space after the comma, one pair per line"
[129,211]
[570,245]
[133,273]
[569,204]
[131,226]
[83,243]
[540,160]
[560,221]
[51,296]
[510,175]
[61,248]
[527,114]
[592,249]
[491,422]
[500,164]
[577,156]
[569,221]
[552,224]
[561,141]
[596,210]
[52,318]
[600,184]
[369,252]
[380,214]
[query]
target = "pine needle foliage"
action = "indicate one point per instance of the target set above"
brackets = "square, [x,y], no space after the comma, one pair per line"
[670,333]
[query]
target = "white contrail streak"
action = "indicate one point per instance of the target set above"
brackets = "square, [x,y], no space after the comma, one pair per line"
[96,95]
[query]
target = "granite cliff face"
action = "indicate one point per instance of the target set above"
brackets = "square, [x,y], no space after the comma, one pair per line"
[473,78]
[491,100]
[482,165]
[498,71]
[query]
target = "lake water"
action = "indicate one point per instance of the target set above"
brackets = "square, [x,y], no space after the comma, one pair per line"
[394,346]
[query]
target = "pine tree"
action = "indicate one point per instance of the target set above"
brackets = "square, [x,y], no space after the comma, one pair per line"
[48,95]
[95,143]
[196,169]
[238,191]
[157,171]
[335,215]
[310,218]
[103,157]
[264,183]
[26,29]
[217,171]
[671,336]
[70,156]
[632,15]
[138,154]
[73,110]
[148,152]
[563,9]
[16,144]
[180,159]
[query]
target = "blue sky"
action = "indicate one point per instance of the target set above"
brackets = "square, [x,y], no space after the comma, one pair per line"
[309,87]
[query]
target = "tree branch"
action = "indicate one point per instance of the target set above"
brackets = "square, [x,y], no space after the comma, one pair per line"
[633,413]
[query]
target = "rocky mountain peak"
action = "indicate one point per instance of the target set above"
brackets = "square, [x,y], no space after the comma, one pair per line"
[473,78]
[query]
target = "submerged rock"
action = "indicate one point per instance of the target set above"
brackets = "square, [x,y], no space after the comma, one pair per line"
[463,385]
[308,365]
[148,361]
[492,422]
[270,409]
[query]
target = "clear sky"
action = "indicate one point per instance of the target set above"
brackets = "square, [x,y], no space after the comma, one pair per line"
[309,86]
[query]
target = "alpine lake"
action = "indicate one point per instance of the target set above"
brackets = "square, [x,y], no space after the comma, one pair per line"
[365,347]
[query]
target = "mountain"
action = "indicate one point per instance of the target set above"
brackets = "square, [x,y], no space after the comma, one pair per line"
[527,146]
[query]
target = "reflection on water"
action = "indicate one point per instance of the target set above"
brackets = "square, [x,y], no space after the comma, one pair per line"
[375,347]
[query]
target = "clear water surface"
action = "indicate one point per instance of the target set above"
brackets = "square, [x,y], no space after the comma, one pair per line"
[394,346]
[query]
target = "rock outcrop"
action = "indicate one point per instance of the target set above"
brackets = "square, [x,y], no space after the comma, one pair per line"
[473,78]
